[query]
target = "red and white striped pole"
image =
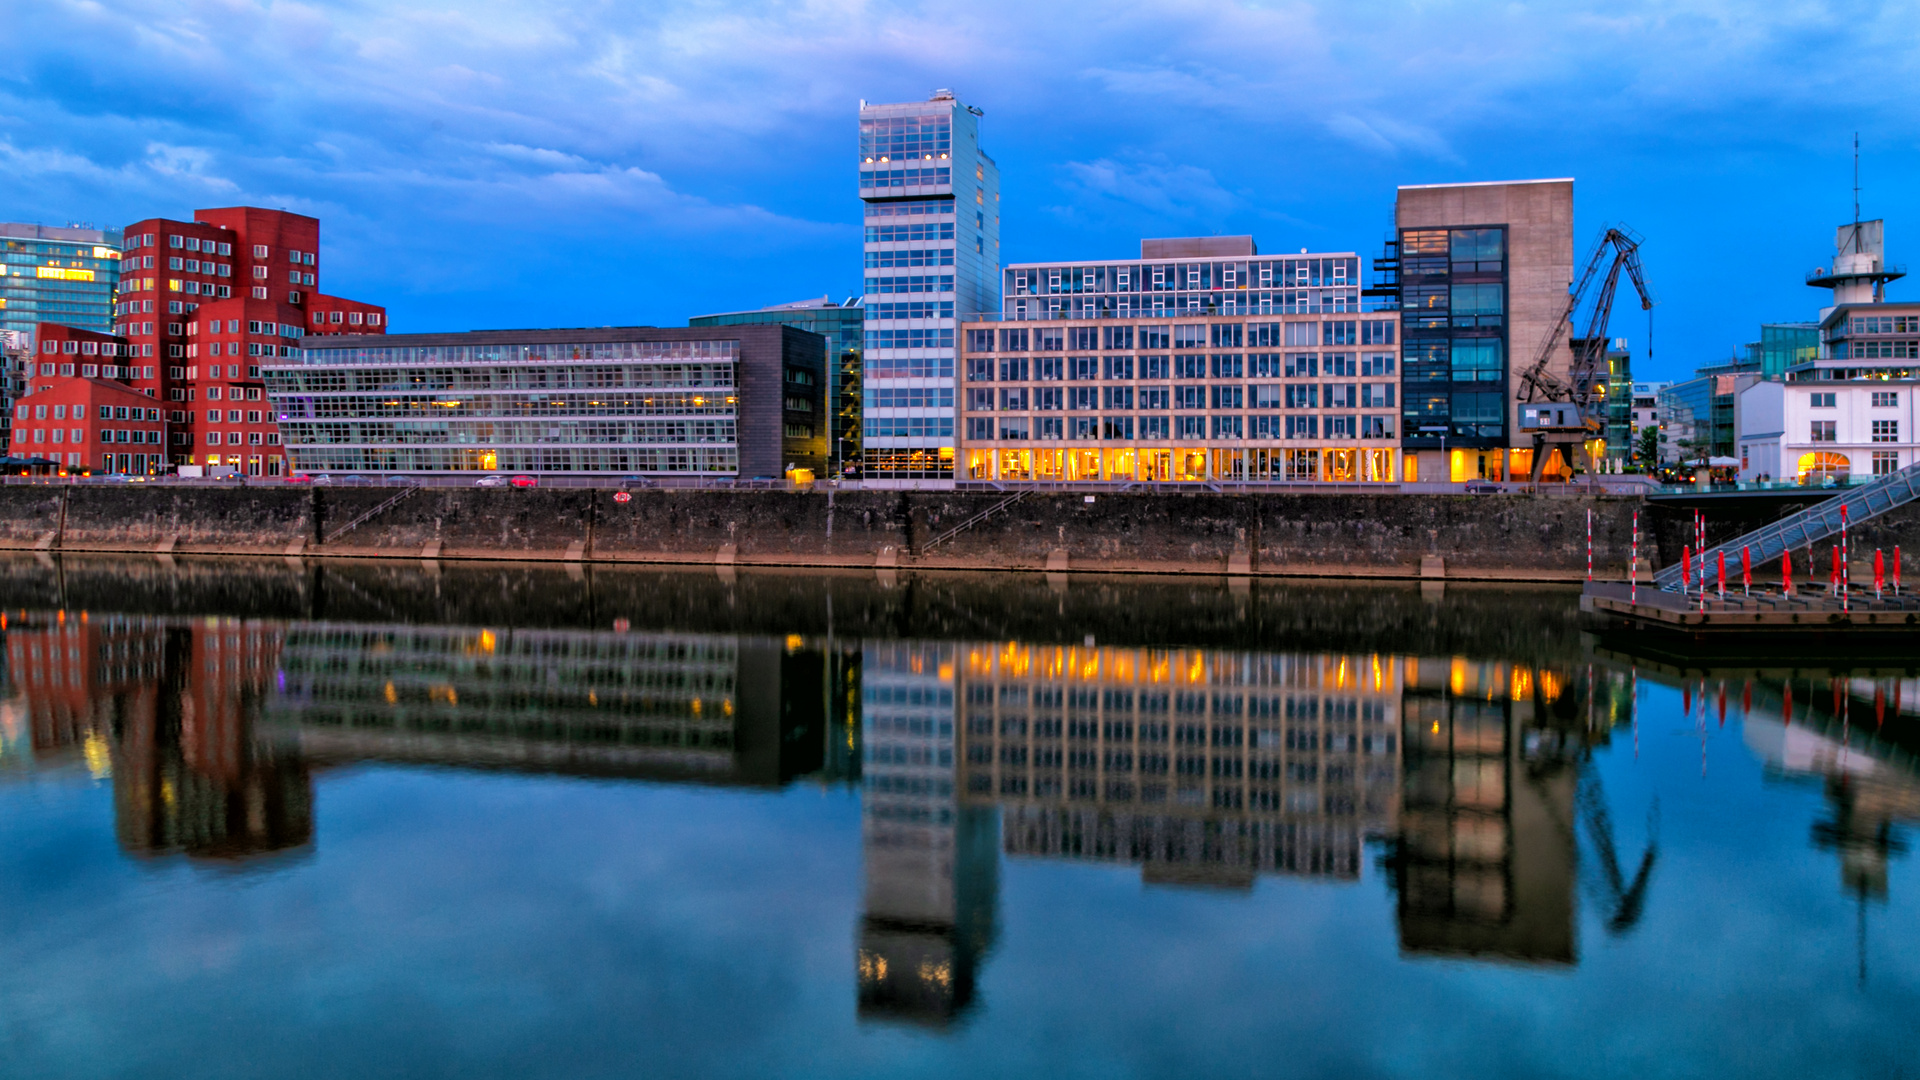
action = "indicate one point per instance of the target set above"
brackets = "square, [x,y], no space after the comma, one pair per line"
[1633,564]
[1846,560]
[1589,543]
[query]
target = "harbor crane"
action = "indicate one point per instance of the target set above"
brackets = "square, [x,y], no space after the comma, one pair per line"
[1564,413]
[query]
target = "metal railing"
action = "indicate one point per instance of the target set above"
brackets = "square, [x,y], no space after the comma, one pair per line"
[368,515]
[974,520]
[1809,526]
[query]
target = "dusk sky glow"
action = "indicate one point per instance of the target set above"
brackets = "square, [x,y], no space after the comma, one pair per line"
[507,163]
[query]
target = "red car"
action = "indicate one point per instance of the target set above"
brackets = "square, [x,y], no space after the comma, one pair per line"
[299,478]
[525,481]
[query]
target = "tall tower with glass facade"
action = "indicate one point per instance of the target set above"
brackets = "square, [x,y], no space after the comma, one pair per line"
[932,255]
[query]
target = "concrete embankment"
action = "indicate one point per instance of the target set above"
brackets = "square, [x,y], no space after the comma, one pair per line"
[1486,537]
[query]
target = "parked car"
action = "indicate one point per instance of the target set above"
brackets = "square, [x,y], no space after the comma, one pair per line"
[323,480]
[405,481]
[355,480]
[638,482]
[496,480]
[299,478]
[1482,487]
[524,481]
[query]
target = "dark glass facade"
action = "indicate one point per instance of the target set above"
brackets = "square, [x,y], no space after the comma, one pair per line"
[1456,357]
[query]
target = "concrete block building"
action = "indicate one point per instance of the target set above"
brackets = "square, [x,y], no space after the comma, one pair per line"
[1480,273]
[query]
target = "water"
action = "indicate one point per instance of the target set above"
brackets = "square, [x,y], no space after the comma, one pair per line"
[270,819]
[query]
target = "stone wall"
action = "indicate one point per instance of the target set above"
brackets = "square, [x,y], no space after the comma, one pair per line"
[1361,535]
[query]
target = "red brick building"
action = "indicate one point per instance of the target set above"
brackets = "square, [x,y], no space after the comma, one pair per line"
[89,422]
[262,268]
[231,422]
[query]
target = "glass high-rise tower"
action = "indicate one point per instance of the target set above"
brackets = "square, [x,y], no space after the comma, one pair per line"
[932,254]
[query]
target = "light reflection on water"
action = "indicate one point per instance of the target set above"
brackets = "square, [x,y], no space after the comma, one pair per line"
[656,824]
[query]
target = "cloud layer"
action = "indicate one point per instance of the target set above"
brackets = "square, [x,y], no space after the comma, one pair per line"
[600,162]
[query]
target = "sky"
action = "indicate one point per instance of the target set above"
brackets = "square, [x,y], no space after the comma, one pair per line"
[509,163]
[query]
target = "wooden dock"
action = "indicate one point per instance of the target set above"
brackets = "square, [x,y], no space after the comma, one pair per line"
[1768,612]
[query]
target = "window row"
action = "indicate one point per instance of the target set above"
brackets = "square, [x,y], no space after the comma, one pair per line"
[1188,398]
[478,432]
[913,283]
[909,257]
[1234,335]
[1179,366]
[685,459]
[1139,277]
[79,412]
[1182,465]
[1162,428]
[40,436]
[1828,431]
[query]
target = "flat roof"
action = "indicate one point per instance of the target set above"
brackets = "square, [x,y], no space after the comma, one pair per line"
[585,334]
[1488,183]
[1206,258]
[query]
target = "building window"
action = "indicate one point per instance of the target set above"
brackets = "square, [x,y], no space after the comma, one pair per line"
[1820,401]
[1886,431]
[1886,462]
[1823,430]
[1885,399]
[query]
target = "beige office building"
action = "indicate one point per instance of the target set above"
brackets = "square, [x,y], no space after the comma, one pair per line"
[1202,361]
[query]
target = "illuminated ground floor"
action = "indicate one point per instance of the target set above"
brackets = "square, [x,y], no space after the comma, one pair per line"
[1239,462]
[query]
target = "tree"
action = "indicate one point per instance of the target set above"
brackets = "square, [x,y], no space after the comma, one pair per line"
[1646,450]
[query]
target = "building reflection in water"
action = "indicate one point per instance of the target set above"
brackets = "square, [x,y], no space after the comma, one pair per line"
[1872,784]
[1203,767]
[931,863]
[696,708]
[170,711]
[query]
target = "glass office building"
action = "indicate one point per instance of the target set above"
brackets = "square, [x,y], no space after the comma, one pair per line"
[932,255]
[840,324]
[59,275]
[694,402]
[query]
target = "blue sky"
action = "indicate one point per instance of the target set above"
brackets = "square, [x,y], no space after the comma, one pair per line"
[518,163]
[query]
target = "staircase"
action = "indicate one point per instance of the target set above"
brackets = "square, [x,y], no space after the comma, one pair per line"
[974,520]
[381,508]
[1809,526]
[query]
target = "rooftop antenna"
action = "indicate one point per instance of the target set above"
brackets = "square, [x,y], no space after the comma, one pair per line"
[1856,194]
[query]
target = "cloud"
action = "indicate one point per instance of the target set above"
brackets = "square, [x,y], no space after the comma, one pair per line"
[722,132]
[1155,185]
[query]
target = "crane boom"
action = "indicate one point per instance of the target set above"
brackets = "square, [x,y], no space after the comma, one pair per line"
[1566,428]
[1539,382]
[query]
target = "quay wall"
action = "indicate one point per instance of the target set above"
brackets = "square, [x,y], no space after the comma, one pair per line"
[1488,537]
